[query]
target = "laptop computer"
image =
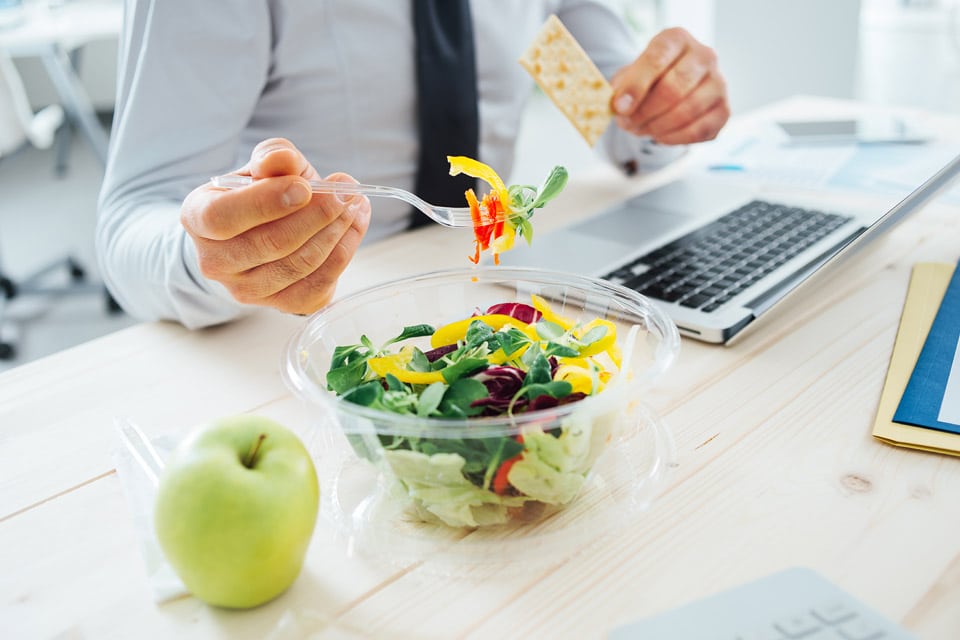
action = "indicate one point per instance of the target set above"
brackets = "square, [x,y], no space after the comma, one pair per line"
[717,255]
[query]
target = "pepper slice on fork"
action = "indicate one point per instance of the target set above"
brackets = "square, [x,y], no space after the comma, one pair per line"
[492,227]
[503,212]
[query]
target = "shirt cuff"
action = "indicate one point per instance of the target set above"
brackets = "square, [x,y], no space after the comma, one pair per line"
[638,154]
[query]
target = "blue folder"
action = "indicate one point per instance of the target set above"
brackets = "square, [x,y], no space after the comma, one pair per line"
[920,404]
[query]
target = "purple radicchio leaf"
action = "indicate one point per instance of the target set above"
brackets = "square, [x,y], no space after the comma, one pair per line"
[554,365]
[548,402]
[522,312]
[502,383]
[435,354]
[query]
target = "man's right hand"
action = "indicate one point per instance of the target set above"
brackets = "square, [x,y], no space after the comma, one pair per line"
[275,243]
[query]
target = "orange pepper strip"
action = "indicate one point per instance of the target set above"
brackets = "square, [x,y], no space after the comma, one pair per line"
[475,216]
[488,217]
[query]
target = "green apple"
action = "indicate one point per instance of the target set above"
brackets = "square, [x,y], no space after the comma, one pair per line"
[235,510]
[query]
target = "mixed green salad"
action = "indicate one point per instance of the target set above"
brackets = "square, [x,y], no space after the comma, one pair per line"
[501,363]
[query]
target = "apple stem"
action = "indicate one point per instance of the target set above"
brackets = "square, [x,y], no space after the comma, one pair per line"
[254,450]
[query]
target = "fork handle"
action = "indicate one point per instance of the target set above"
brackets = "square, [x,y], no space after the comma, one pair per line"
[231,181]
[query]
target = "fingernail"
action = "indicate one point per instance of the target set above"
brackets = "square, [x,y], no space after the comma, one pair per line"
[296,195]
[623,103]
[270,148]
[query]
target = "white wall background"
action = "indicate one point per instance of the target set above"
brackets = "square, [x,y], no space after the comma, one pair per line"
[910,54]
[772,49]
[892,52]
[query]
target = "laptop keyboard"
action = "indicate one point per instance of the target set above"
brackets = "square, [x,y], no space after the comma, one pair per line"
[712,264]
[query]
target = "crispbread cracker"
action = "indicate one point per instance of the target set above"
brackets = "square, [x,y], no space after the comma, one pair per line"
[570,78]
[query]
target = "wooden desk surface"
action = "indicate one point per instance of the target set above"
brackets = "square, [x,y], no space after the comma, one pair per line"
[777,468]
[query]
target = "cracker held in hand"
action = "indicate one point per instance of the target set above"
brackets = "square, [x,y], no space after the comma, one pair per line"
[570,78]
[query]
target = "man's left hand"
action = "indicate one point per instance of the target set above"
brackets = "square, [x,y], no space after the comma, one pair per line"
[673,92]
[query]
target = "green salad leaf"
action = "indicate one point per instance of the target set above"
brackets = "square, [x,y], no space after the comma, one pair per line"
[348,366]
[525,198]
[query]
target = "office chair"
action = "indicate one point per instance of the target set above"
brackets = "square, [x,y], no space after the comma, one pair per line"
[20,127]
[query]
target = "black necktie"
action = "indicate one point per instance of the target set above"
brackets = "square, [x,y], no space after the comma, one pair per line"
[446,99]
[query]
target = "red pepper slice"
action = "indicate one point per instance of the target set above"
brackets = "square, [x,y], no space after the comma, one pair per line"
[500,483]
[488,222]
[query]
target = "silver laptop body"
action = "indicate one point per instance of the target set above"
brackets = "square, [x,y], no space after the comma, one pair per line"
[634,242]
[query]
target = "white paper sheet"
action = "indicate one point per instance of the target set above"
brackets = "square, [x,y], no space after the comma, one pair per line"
[950,406]
[878,169]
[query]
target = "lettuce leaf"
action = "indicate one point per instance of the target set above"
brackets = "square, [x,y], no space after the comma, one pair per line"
[553,469]
[439,488]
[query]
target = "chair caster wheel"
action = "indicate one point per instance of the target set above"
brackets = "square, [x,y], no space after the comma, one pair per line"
[8,287]
[113,307]
[7,351]
[77,273]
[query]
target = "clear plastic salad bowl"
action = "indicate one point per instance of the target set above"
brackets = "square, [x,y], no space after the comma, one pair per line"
[587,465]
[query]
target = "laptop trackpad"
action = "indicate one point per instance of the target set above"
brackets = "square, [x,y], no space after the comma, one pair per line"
[568,250]
[595,244]
[631,227]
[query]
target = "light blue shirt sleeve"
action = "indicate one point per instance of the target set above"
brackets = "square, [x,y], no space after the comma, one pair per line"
[189,79]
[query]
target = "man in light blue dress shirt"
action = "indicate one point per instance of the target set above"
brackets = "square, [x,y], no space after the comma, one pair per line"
[294,90]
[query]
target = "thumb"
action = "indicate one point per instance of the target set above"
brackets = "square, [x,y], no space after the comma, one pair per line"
[632,83]
[277,157]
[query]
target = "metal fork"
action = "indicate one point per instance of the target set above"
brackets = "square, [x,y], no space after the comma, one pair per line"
[447,216]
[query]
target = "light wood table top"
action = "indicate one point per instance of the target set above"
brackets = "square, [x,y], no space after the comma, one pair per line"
[776,468]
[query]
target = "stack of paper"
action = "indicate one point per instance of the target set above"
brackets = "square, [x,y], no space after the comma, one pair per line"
[920,402]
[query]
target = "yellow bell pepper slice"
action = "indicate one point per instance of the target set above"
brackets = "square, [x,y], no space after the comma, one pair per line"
[455,331]
[548,314]
[499,356]
[504,242]
[616,355]
[476,169]
[603,343]
[395,365]
[578,377]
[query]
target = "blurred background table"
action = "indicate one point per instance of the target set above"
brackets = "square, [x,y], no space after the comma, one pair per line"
[776,468]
